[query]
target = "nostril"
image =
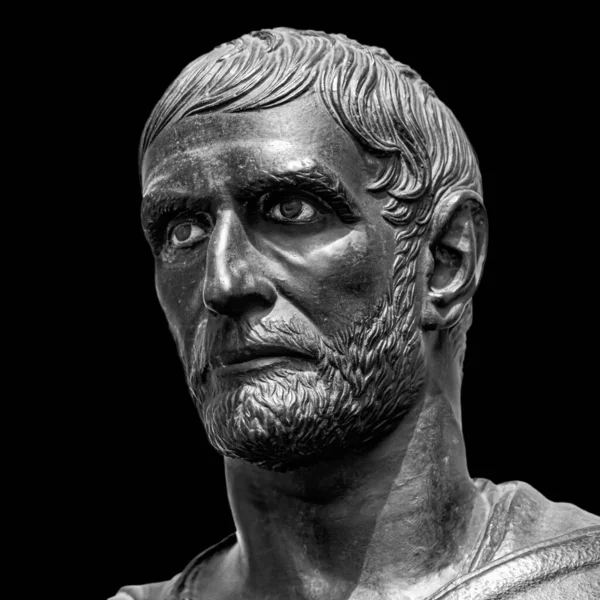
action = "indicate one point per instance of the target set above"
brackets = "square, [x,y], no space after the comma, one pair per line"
[250,294]
[249,303]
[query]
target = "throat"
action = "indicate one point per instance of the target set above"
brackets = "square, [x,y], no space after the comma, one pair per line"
[404,512]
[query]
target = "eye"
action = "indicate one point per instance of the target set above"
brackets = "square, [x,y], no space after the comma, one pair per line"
[186,234]
[293,209]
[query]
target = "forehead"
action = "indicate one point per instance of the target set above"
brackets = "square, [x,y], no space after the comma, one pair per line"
[202,153]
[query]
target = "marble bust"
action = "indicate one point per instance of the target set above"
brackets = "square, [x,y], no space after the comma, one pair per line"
[318,227]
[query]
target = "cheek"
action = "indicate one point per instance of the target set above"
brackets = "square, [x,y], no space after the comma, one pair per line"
[180,296]
[335,282]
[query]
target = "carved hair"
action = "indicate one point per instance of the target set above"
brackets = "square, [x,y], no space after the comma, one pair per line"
[384,104]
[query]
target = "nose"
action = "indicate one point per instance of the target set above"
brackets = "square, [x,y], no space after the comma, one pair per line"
[235,280]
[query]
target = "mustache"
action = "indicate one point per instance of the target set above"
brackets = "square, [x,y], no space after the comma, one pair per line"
[217,333]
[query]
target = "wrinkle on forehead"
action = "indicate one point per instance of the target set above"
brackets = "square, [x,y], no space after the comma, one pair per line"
[213,152]
[301,128]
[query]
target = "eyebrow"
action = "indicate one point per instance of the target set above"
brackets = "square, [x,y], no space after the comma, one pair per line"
[315,178]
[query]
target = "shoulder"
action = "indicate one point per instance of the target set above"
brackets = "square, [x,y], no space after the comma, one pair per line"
[149,591]
[523,517]
[564,567]
[531,548]
[192,578]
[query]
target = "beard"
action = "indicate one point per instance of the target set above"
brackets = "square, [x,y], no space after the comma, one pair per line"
[367,376]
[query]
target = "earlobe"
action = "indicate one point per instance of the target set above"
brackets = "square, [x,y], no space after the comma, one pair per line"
[457,245]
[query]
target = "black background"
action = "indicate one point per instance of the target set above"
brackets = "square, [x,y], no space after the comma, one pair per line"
[146,492]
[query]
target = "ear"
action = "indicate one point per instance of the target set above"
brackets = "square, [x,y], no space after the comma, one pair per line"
[457,245]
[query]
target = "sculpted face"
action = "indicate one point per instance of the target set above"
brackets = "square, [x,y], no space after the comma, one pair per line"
[275,270]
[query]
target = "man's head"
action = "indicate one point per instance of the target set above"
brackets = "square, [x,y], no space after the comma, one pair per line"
[313,209]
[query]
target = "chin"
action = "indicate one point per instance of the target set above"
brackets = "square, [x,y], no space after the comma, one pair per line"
[276,419]
[286,419]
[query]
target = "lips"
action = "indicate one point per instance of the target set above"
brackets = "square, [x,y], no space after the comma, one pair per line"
[254,357]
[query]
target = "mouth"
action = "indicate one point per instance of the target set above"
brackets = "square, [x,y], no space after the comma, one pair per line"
[256,359]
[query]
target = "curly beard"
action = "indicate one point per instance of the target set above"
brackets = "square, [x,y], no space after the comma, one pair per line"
[367,377]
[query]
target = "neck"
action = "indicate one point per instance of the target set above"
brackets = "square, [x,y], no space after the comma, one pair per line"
[400,515]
